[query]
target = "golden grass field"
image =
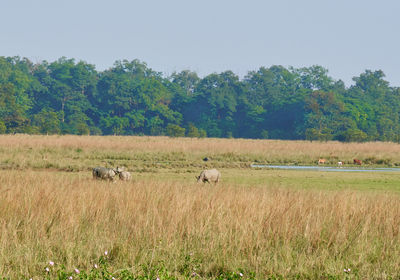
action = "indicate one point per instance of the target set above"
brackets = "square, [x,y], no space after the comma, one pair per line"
[264,223]
[79,152]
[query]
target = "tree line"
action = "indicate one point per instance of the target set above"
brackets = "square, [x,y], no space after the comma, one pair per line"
[69,97]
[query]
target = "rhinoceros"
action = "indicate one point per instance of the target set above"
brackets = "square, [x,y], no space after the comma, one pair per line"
[125,175]
[210,176]
[104,173]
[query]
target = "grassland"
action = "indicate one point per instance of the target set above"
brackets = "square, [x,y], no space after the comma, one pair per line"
[265,224]
[78,153]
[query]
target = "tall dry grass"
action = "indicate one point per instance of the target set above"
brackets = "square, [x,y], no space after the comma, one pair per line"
[74,153]
[209,145]
[71,219]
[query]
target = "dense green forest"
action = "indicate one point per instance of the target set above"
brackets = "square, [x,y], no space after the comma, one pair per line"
[69,97]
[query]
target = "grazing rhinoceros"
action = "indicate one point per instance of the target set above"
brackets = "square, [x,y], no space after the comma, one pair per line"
[212,175]
[125,175]
[104,173]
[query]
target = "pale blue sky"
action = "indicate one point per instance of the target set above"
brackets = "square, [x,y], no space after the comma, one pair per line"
[207,36]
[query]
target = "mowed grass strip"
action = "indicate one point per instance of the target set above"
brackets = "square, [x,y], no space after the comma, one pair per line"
[266,229]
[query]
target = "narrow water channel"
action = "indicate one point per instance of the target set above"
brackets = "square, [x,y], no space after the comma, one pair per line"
[327,168]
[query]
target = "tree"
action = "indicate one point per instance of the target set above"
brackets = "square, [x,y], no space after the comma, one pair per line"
[174,130]
[314,78]
[192,131]
[214,103]
[47,121]
[114,125]
[78,123]
[3,128]
[12,114]
[186,80]
[138,95]
[323,114]
[353,135]
[273,101]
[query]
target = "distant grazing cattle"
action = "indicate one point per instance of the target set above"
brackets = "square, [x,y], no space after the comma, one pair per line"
[340,163]
[321,161]
[210,176]
[357,161]
[104,173]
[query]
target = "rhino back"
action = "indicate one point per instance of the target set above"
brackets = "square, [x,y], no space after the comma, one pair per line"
[103,172]
[212,175]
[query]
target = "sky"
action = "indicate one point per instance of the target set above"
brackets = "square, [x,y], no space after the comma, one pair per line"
[346,37]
